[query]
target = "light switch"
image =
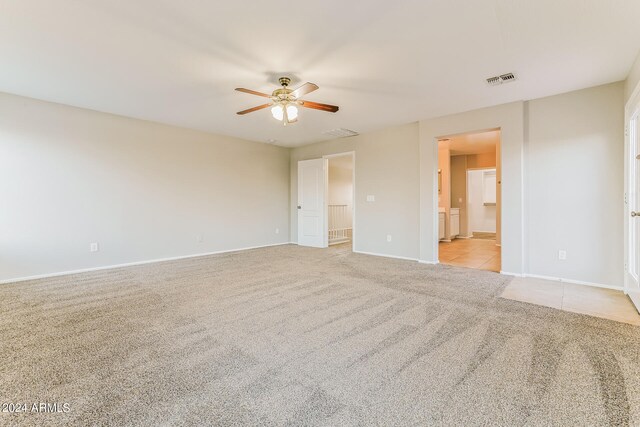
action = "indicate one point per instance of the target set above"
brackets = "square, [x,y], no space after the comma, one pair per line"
[371,198]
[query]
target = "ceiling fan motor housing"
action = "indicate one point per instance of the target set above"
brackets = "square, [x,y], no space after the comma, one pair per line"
[282,93]
[284,81]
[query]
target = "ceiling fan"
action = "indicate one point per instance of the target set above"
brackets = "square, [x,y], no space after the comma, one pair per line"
[284,101]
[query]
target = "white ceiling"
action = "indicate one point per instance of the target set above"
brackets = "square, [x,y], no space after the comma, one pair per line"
[383,62]
[472,143]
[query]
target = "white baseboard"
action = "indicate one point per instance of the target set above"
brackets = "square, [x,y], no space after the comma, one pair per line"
[385,255]
[131,264]
[575,282]
[151,261]
[634,296]
[562,280]
[506,273]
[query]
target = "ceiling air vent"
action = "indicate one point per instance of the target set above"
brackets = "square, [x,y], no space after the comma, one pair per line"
[340,133]
[498,80]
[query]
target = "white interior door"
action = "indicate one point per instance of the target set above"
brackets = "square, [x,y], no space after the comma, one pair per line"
[632,280]
[312,208]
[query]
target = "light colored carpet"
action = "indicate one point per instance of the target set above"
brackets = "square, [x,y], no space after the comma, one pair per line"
[301,336]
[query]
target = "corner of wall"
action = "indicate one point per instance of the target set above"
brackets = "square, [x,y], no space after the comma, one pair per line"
[633,79]
[525,186]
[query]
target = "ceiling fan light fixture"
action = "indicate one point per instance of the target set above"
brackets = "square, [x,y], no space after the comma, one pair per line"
[292,112]
[277,112]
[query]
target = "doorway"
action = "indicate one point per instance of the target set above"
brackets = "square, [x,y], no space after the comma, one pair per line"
[340,200]
[469,200]
[326,201]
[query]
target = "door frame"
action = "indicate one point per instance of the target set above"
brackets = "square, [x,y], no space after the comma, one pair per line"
[436,140]
[632,108]
[353,196]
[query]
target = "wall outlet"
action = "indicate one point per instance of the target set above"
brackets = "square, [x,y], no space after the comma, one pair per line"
[562,255]
[388,237]
[371,198]
[199,238]
[93,247]
[277,231]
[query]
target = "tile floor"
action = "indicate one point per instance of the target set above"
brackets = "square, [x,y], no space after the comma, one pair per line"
[606,303]
[481,254]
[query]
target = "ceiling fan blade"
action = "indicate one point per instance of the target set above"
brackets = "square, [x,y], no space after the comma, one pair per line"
[304,89]
[251,110]
[319,106]
[252,92]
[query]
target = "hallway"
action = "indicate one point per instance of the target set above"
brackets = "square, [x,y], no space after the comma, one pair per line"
[477,253]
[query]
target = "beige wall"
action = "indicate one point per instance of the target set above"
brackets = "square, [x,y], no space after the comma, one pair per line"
[633,80]
[142,190]
[387,167]
[483,160]
[459,190]
[340,185]
[574,189]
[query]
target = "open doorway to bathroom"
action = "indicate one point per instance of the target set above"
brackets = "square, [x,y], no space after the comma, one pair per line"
[469,200]
[340,200]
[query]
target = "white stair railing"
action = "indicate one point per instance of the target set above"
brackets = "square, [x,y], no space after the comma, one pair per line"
[340,226]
